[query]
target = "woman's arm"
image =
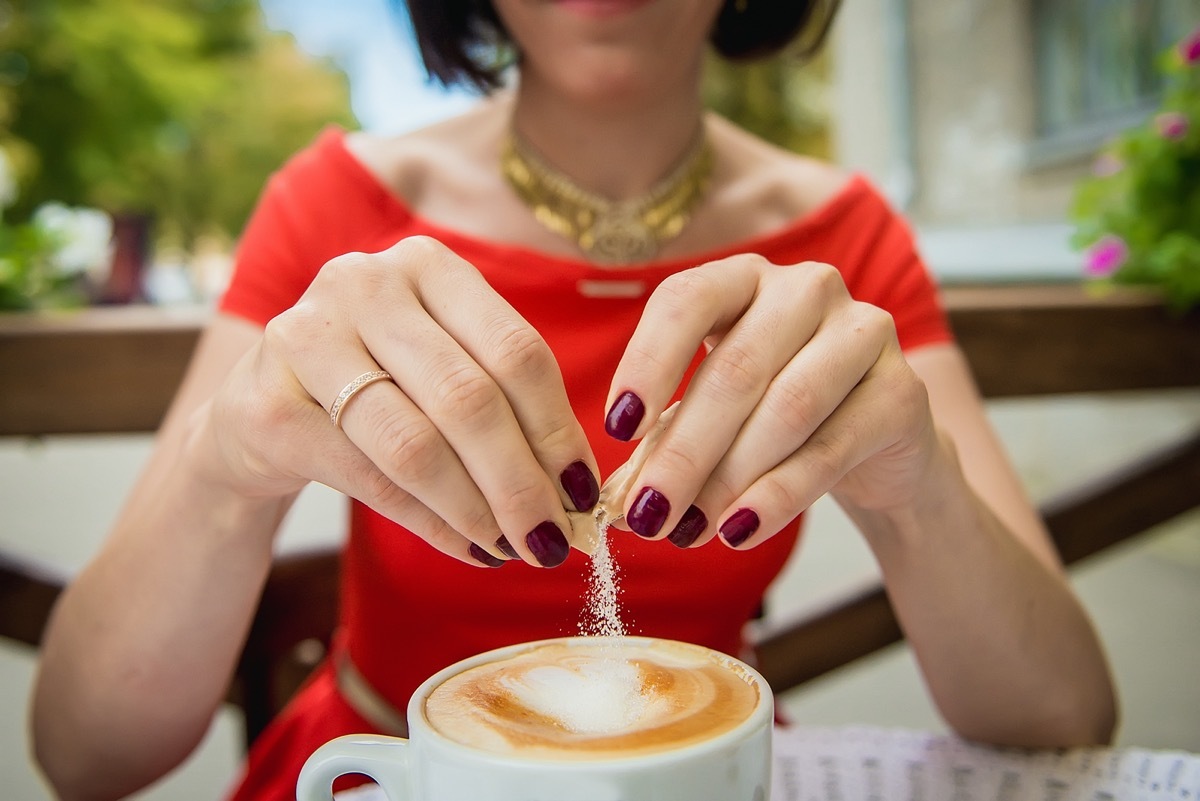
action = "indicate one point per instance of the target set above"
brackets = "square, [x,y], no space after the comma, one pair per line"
[472,445]
[140,649]
[1008,653]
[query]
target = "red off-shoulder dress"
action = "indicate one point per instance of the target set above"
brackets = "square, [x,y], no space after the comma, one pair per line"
[407,610]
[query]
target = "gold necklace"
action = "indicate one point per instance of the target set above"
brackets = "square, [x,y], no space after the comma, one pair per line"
[613,232]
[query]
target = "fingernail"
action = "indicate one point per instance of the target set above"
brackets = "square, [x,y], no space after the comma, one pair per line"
[547,544]
[480,555]
[624,417]
[740,526]
[649,511]
[689,528]
[505,547]
[580,485]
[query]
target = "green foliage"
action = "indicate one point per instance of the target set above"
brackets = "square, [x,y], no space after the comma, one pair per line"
[26,272]
[46,261]
[780,99]
[178,108]
[1139,214]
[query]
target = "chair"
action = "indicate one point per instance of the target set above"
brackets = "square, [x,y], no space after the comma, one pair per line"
[291,631]
[1073,343]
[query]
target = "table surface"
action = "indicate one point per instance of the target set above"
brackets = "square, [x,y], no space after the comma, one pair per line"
[852,763]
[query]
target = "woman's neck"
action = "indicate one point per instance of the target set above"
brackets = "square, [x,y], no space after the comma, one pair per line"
[618,153]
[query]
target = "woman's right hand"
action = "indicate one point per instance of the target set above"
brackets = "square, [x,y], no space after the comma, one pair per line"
[472,445]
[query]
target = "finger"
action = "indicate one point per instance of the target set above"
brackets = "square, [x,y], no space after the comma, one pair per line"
[397,439]
[683,310]
[722,395]
[397,446]
[806,392]
[516,357]
[469,407]
[860,427]
[324,454]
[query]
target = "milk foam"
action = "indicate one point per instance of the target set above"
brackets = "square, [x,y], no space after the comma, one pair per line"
[602,696]
[603,699]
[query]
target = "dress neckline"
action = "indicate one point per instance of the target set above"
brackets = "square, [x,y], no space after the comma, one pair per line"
[828,212]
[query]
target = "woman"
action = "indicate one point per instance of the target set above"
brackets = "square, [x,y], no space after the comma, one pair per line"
[452,329]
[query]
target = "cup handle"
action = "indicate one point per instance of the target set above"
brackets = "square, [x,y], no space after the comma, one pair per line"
[384,759]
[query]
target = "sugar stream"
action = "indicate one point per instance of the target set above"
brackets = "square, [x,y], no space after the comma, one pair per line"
[602,613]
[610,698]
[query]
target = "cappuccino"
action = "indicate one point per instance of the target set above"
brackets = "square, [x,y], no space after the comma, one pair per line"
[572,719]
[595,698]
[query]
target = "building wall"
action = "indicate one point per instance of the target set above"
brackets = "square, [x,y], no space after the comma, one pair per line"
[864,128]
[971,93]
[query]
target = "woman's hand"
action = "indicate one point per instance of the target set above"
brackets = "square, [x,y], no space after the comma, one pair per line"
[472,444]
[804,391]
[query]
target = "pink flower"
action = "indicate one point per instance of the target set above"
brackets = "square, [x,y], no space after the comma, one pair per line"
[1106,256]
[1189,48]
[1107,164]
[1172,125]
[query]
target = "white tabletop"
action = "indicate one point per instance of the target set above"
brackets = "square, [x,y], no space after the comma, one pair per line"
[873,764]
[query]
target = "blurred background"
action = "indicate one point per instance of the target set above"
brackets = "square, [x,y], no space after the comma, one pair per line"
[147,128]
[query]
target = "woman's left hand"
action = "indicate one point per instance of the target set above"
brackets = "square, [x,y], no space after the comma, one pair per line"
[804,391]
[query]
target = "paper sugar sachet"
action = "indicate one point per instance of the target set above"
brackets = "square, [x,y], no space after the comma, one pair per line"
[587,527]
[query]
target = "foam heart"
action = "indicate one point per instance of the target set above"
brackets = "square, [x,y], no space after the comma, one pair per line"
[586,696]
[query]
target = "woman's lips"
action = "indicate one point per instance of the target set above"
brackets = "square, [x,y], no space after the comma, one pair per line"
[602,8]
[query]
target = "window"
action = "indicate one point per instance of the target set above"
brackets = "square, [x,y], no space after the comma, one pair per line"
[1096,60]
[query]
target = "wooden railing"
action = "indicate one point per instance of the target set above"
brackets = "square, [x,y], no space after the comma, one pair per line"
[115,370]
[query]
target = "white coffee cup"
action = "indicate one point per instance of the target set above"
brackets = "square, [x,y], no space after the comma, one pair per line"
[732,765]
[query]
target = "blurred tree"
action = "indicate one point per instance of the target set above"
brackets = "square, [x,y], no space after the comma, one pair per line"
[174,108]
[781,99]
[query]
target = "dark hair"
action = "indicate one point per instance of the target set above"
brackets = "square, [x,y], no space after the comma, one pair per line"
[464,41]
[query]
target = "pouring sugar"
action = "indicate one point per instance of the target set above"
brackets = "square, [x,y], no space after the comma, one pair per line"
[602,614]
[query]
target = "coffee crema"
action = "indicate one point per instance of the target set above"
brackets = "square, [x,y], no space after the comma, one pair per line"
[600,699]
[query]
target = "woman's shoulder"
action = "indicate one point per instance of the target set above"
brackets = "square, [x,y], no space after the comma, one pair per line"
[794,183]
[354,181]
[780,191]
[438,156]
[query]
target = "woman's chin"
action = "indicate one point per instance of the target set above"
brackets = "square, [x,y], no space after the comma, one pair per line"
[608,82]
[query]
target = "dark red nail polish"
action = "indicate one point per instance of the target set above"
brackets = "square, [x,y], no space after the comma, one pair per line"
[689,528]
[740,526]
[547,544]
[624,417]
[649,511]
[505,547]
[580,485]
[483,557]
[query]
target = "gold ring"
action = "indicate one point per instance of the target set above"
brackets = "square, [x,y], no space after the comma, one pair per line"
[352,389]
